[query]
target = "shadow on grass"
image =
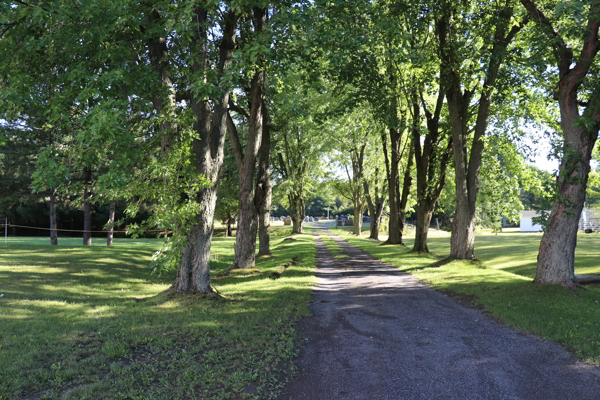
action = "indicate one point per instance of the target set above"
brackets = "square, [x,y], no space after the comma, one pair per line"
[72,317]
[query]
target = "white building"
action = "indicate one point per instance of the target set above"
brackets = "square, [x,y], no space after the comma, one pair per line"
[589,220]
[527,224]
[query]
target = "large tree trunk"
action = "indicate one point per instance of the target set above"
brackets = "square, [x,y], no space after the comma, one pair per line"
[556,259]
[264,189]
[462,242]
[87,207]
[194,268]
[53,224]
[111,223]
[358,218]
[424,214]
[297,212]
[245,238]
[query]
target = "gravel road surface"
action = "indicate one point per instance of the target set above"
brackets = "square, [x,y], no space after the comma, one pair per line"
[378,333]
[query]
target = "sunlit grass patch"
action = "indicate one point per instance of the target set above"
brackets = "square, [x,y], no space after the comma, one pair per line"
[83,323]
[500,282]
[334,248]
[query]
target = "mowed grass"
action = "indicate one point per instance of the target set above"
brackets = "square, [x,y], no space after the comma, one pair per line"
[91,323]
[333,247]
[501,283]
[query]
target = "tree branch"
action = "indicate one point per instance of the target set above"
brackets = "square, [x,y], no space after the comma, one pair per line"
[562,52]
[235,141]
[238,109]
[591,45]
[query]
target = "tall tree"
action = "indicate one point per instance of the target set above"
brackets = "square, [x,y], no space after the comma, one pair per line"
[299,121]
[575,50]
[457,27]
[246,159]
[431,159]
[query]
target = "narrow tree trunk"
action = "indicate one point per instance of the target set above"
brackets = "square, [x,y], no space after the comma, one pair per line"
[14,221]
[406,184]
[229,232]
[111,223]
[264,189]
[375,210]
[87,207]
[393,186]
[264,222]
[53,225]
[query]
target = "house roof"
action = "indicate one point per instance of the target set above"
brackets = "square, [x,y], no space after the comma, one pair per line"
[529,213]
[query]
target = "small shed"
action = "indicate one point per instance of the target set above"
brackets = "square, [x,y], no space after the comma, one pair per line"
[527,224]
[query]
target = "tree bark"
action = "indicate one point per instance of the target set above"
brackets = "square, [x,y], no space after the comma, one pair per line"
[375,208]
[406,184]
[111,223]
[424,214]
[556,258]
[229,232]
[359,211]
[264,188]
[87,207]
[297,212]
[431,170]
[245,239]
[53,224]
[194,268]
[393,185]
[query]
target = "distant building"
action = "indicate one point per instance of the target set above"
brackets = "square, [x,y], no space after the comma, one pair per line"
[527,224]
[589,220]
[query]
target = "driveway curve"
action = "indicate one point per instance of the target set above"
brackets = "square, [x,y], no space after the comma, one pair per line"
[378,333]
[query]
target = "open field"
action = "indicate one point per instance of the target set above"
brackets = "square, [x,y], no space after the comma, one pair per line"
[501,283]
[92,323]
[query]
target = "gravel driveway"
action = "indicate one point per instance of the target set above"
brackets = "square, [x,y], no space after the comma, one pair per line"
[378,333]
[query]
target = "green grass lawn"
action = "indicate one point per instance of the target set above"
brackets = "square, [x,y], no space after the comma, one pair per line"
[92,323]
[501,284]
